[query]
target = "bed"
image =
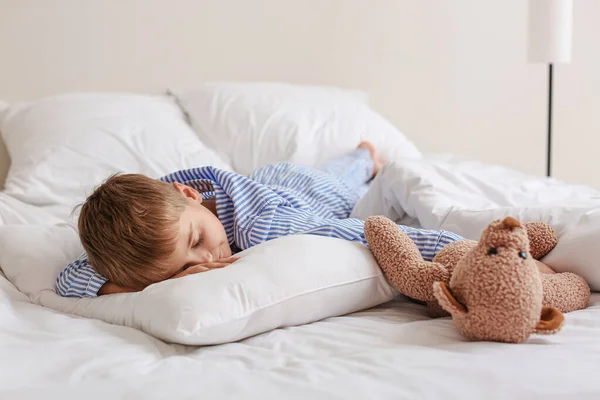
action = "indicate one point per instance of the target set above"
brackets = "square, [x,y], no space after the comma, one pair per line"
[62,146]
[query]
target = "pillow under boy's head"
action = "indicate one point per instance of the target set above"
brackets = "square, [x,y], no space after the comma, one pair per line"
[274,284]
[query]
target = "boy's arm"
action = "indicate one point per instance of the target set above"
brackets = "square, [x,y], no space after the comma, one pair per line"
[79,279]
[278,218]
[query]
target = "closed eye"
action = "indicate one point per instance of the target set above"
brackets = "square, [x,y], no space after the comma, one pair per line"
[198,242]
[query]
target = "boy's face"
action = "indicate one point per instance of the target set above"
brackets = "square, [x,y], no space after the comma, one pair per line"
[201,237]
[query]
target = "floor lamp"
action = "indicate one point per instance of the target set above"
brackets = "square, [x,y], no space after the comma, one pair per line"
[550,31]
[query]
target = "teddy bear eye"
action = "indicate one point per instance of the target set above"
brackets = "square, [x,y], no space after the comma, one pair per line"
[493,251]
[523,255]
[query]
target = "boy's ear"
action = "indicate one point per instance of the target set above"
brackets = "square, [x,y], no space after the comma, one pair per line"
[188,192]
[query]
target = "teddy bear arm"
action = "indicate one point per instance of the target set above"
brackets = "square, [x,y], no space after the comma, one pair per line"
[400,260]
[542,238]
[452,253]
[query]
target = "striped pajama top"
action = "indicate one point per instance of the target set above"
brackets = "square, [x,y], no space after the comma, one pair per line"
[276,200]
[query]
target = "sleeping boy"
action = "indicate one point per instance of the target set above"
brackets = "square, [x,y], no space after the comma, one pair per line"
[137,231]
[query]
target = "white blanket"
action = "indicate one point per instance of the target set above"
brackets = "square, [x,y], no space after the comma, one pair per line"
[464,197]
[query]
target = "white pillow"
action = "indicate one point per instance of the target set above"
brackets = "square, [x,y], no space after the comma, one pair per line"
[288,281]
[34,255]
[253,124]
[63,146]
[13,211]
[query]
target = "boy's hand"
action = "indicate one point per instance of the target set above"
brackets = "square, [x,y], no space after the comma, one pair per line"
[112,288]
[195,269]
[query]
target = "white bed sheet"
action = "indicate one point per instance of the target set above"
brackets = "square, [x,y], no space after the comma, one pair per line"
[391,351]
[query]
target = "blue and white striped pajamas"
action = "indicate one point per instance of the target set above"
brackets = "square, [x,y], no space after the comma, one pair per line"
[276,200]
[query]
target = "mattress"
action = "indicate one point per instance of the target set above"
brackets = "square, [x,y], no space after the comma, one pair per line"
[391,351]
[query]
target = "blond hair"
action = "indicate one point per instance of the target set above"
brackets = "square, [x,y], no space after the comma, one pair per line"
[128,227]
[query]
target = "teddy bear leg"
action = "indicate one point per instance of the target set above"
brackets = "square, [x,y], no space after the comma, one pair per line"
[435,310]
[400,260]
[542,238]
[449,257]
[452,253]
[565,291]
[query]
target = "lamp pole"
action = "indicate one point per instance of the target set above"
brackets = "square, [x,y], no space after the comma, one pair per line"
[549,142]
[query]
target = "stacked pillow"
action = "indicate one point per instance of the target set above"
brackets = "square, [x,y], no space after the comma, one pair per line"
[61,147]
[252,124]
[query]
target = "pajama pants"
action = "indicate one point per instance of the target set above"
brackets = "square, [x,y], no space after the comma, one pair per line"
[333,190]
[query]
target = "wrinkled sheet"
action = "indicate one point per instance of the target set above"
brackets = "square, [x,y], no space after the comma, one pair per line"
[434,191]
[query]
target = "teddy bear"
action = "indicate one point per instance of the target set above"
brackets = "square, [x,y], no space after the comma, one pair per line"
[492,288]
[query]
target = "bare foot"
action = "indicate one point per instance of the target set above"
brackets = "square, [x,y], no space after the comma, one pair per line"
[377,161]
[544,268]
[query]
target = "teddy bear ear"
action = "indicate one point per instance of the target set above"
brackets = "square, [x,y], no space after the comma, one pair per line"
[444,296]
[551,321]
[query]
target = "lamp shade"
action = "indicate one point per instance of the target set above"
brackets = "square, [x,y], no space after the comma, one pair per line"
[550,30]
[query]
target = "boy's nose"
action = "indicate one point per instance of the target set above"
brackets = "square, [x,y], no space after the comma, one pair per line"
[201,257]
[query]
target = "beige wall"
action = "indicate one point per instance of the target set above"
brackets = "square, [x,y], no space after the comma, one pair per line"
[452,75]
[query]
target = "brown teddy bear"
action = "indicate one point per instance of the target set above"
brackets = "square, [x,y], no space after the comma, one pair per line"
[492,288]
